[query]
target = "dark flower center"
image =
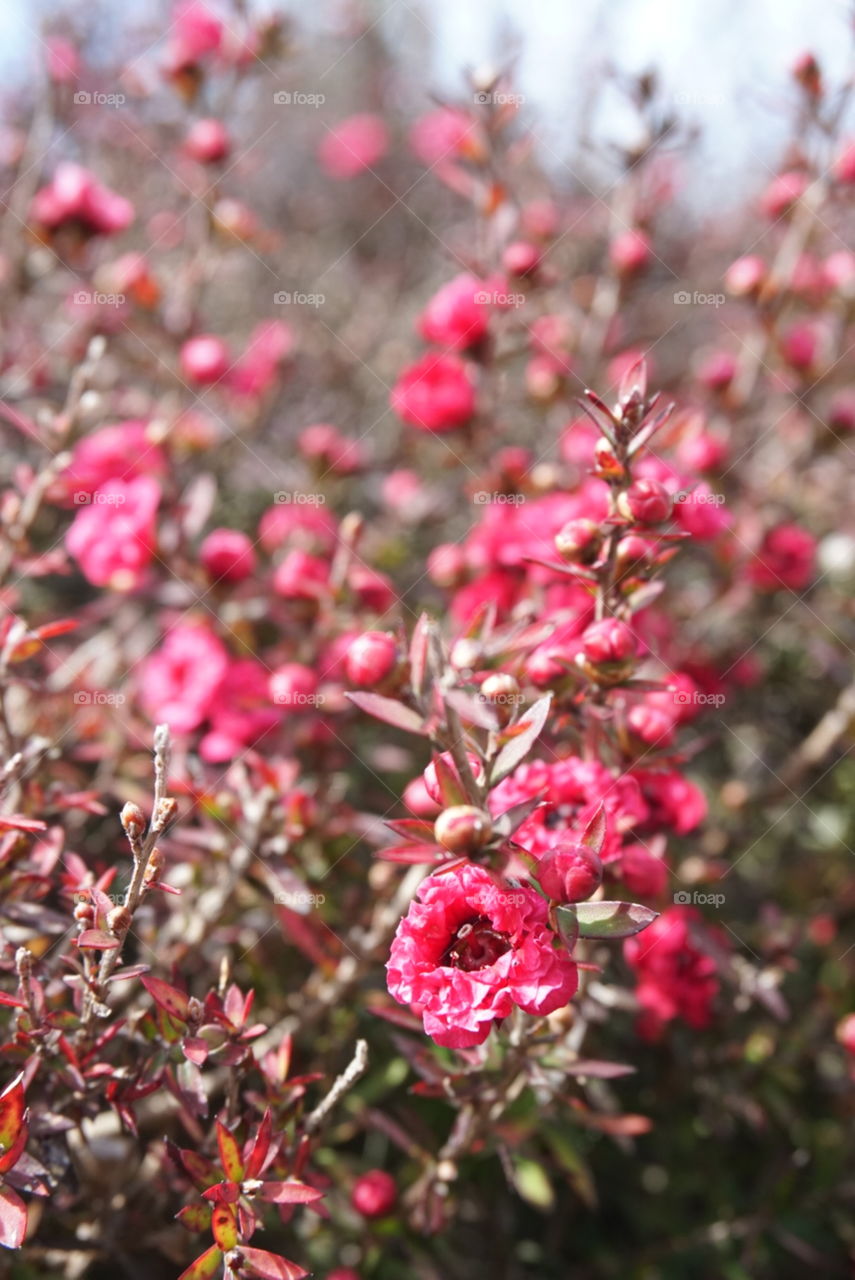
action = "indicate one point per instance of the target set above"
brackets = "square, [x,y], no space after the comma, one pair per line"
[475,946]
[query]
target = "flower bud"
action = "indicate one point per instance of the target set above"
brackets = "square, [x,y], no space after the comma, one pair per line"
[204,359]
[463,828]
[502,691]
[629,252]
[520,258]
[132,819]
[845,1033]
[431,778]
[374,1194]
[294,686]
[371,658]
[119,920]
[446,565]
[578,540]
[544,669]
[155,865]
[607,466]
[608,641]
[227,555]
[646,501]
[570,872]
[207,141]
[85,913]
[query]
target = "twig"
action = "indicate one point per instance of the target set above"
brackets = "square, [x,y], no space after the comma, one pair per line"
[348,1078]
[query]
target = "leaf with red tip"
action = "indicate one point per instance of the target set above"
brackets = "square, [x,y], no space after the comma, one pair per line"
[412,854]
[170,999]
[97,940]
[526,734]
[411,828]
[230,1157]
[195,1217]
[13,1219]
[10,1158]
[389,710]
[130,971]
[224,1226]
[612,919]
[594,835]
[12,1002]
[223,1193]
[59,628]
[261,1146]
[289,1193]
[269,1266]
[20,822]
[196,1049]
[450,786]
[12,1106]
[206,1265]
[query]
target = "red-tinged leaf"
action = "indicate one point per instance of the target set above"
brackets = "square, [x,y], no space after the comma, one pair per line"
[626,1126]
[450,786]
[412,854]
[13,1219]
[389,711]
[196,1049]
[419,654]
[223,1193]
[130,971]
[170,999]
[10,1158]
[230,1156]
[260,1147]
[289,1193]
[612,919]
[472,710]
[206,1265]
[12,1002]
[508,822]
[269,1266]
[526,734]
[397,1016]
[411,828]
[12,1107]
[20,822]
[191,1088]
[197,1168]
[59,628]
[598,1070]
[224,1226]
[594,835]
[97,940]
[195,1217]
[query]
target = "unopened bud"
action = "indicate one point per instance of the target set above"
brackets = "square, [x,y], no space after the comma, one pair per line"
[119,920]
[463,828]
[578,540]
[133,820]
[155,865]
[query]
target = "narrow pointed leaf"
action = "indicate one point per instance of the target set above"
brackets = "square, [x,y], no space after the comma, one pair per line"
[261,1146]
[568,926]
[12,1106]
[517,748]
[224,1226]
[289,1193]
[389,710]
[13,1219]
[269,1266]
[594,835]
[230,1157]
[206,1265]
[97,940]
[195,1217]
[612,919]
[170,999]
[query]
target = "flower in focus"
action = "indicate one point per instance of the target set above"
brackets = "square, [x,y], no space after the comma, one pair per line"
[470,950]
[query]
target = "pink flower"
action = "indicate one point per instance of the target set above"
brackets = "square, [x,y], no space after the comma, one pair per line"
[374,1194]
[122,451]
[470,950]
[785,559]
[454,318]
[179,684]
[435,393]
[113,536]
[240,714]
[630,251]
[227,555]
[844,165]
[444,134]
[355,144]
[74,195]
[782,193]
[675,978]
[195,32]
[270,344]
[324,444]
[207,141]
[674,801]
[204,359]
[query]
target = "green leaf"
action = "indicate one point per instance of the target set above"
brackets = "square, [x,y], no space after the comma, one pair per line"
[568,926]
[612,919]
[206,1265]
[533,1185]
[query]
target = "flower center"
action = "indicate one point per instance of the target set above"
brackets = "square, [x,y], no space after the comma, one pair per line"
[475,946]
